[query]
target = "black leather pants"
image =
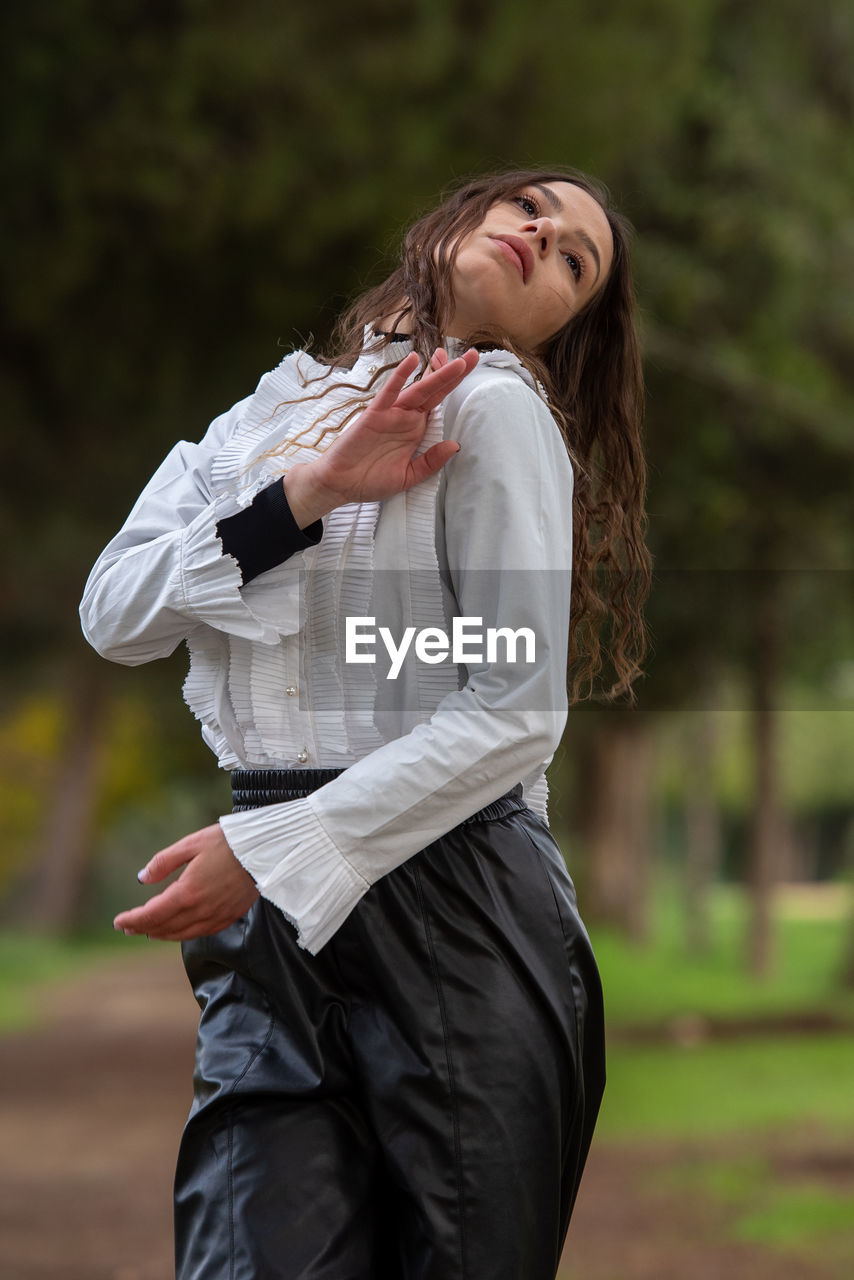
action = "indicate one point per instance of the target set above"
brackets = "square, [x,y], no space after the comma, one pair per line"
[415,1102]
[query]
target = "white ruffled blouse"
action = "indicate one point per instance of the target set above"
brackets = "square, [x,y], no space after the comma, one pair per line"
[489,538]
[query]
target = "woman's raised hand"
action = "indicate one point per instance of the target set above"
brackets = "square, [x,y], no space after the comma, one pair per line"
[373,458]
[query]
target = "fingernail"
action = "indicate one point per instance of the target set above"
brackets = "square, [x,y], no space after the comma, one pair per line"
[128,933]
[142,876]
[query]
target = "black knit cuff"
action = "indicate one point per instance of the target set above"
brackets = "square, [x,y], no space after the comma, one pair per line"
[265,533]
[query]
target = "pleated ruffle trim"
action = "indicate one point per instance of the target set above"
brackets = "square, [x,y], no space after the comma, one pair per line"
[211,584]
[296,867]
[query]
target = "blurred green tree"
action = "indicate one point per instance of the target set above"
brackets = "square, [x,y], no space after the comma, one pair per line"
[746,264]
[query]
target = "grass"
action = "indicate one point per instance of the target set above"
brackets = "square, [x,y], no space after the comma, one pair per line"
[802,1216]
[651,984]
[807,1219]
[730,1102]
[714,1089]
[707,1087]
[794,1213]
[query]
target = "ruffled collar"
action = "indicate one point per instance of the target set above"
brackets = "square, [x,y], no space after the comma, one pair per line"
[375,354]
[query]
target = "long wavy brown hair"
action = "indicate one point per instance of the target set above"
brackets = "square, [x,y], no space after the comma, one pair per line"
[592,374]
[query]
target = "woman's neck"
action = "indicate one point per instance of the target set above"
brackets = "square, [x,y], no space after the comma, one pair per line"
[397,324]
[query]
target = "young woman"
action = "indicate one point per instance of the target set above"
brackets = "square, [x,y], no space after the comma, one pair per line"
[400,1054]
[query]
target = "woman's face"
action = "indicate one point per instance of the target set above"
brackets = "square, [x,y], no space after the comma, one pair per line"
[536,259]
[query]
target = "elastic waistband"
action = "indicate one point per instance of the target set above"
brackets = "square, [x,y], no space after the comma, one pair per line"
[253,788]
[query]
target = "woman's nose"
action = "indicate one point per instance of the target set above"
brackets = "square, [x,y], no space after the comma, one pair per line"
[545,232]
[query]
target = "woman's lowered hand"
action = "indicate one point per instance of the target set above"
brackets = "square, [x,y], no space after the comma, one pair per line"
[374,457]
[212,891]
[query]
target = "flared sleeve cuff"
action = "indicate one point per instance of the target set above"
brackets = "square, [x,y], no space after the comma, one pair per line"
[211,581]
[297,867]
[264,534]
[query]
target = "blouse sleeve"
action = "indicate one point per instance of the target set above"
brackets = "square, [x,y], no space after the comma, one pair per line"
[183,555]
[508,535]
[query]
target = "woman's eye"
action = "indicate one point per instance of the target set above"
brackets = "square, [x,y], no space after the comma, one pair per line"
[528,205]
[576,265]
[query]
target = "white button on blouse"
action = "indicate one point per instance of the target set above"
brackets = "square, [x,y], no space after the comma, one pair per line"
[489,538]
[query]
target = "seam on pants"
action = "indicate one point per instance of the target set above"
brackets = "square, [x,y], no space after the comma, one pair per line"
[443,1013]
[253,1058]
[543,865]
[230,1185]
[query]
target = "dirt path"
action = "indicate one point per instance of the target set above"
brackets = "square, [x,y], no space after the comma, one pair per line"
[91,1110]
[92,1107]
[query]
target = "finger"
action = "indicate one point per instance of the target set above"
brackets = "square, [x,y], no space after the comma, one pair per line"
[184,934]
[185,926]
[432,460]
[439,358]
[192,929]
[166,861]
[179,854]
[440,381]
[161,911]
[190,922]
[433,387]
[392,387]
[198,925]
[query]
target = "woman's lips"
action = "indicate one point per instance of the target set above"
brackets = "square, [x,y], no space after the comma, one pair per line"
[517,252]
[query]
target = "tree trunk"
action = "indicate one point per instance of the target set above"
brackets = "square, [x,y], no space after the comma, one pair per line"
[63,857]
[702,830]
[616,820]
[767,824]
